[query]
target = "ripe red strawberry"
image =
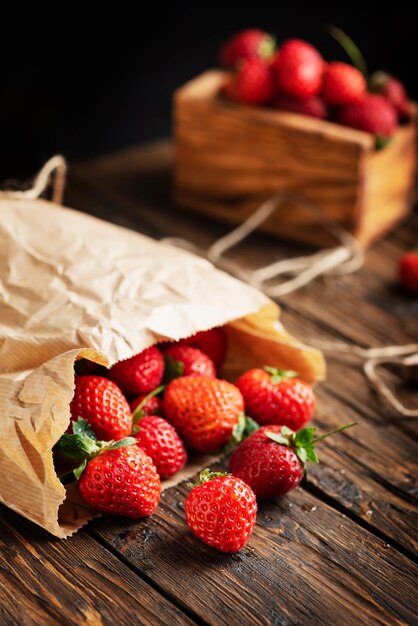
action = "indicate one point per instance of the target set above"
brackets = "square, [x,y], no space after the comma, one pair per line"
[313,107]
[161,442]
[189,361]
[343,84]
[392,89]
[113,477]
[212,342]
[140,374]
[221,510]
[102,404]
[272,460]
[203,410]
[373,114]
[251,83]
[408,271]
[247,44]
[298,69]
[122,482]
[152,406]
[274,396]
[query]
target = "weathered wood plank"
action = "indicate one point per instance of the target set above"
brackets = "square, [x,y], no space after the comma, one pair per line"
[46,581]
[305,564]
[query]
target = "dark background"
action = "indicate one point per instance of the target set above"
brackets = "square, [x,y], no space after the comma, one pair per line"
[83,82]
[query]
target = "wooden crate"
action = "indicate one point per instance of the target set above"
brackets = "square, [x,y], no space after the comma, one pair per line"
[230,157]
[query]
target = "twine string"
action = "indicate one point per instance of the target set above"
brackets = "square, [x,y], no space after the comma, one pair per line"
[56,165]
[343,259]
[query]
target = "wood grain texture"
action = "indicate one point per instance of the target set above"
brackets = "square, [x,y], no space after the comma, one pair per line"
[46,581]
[230,157]
[304,564]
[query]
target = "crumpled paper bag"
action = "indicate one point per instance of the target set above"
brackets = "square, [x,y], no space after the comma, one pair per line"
[73,286]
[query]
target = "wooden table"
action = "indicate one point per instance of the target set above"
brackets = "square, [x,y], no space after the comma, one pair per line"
[339,550]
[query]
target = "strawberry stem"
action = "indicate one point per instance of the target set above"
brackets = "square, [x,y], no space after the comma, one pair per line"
[332,432]
[352,50]
[138,413]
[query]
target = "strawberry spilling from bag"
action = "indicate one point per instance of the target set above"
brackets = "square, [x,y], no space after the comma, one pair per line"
[273,459]
[183,360]
[221,510]
[203,410]
[140,374]
[212,342]
[102,404]
[274,396]
[115,477]
[159,439]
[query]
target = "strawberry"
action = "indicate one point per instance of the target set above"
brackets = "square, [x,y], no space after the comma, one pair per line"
[313,107]
[273,396]
[247,44]
[161,442]
[343,84]
[373,113]
[251,83]
[102,404]
[392,89]
[221,510]
[408,271]
[152,405]
[203,410]
[140,374]
[188,361]
[272,460]
[113,477]
[212,342]
[298,69]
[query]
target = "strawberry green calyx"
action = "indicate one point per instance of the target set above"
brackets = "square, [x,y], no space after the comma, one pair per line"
[380,141]
[245,427]
[206,475]
[173,369]
[303,442]
[267,47]
[139,413]
[348,45]
[83,446]
[278,375]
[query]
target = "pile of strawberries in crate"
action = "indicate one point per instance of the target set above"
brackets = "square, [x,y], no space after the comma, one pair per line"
[134,424]
[296,78]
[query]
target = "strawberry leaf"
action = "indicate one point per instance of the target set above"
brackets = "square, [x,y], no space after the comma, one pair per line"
[304,437]
[278,438]
[278,375]
[70,477]
[311,454]
[77,446]
[80,469]
[81,427]
[206,475]
[173,369]
[302,454]
[245,427]
[122,443]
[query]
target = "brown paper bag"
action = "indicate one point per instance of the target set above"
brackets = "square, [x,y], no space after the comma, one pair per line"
[74,286]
